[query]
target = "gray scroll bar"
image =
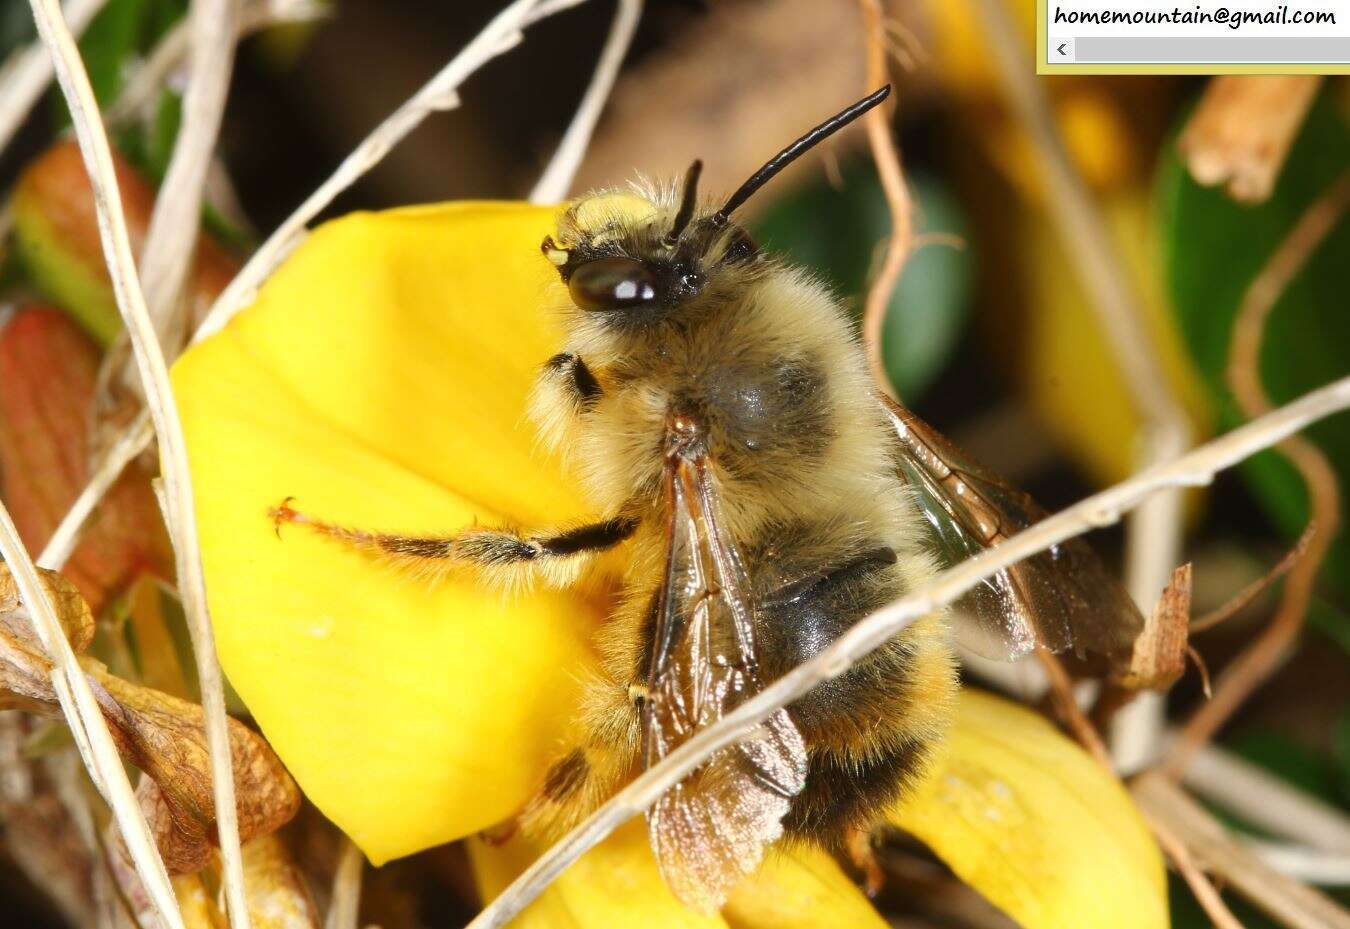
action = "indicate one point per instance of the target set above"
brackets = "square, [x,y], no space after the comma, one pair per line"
[1211,50]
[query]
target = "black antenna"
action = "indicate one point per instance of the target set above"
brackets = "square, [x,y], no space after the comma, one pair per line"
[687,201]
[796,149]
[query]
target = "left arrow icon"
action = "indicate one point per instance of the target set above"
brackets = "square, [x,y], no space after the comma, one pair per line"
[1061,47]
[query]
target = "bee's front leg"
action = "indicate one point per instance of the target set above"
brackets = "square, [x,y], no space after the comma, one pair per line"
[566,390]
[503,557]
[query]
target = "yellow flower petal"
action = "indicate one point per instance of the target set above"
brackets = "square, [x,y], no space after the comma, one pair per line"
[800,887]
[614,884]
[1034,824]
[380,378]
[617,884]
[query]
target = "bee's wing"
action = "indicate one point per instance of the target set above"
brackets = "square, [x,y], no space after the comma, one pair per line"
[1061,598]
[713,827]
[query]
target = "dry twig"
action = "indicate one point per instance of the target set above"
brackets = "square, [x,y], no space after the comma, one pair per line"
[81,710]
[177,217]
[1239,601]
[1265,801]
[1201,886]
[887,158]
[1214,850]
[154,374]
[26,73]
[1195,468]
[1153,533]
[143,86]
[1241,132]
[344,905]
[1262,657]
[554,184]
[170,245]
[1067,708]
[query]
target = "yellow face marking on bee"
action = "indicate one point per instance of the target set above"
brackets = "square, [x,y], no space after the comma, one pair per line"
[556,256]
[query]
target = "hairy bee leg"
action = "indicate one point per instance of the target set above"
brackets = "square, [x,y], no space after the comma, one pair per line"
[587,773]
[863,854]
[565,390]
[508,558]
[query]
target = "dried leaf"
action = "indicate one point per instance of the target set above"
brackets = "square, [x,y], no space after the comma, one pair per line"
[278,897]
[165,738]
[41,835]
[276,892]
[48,370]
[1159,657]
[56,237]
[71,609]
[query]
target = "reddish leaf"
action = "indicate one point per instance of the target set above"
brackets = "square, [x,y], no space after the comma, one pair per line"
[47,378]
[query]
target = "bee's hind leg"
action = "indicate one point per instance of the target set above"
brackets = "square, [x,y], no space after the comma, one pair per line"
[501,556]
[858,843]
[586,774]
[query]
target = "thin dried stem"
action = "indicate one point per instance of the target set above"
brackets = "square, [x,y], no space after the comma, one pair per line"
[1309,865]
[1195,468]
[93,141]
[1066,705]
[1239,601]
[1262,657]
[887,158]
[554,184]
[1201,886]
[1265,801]
[127,446]
[26,73]
[344,907]
[143,86]
[1242,129]
[1153,533]
[87,724]
[437,95]
[1216,851]
[169,248]
[176,220]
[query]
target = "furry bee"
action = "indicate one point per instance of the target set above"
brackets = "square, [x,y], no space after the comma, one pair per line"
[764,498]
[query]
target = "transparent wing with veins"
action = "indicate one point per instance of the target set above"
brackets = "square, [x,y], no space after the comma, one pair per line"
[1059,599]
[713,827]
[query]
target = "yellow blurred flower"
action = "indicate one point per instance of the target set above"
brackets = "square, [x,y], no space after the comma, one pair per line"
[381,378]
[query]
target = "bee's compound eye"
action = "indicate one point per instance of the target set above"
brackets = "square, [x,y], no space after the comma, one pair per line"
[612,284]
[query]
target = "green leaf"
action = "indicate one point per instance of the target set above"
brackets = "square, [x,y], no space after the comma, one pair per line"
[838,233]
[1213,249]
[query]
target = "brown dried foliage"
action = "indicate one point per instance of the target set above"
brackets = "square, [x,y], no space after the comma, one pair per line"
[164,737]
[49,370]
[1240,133]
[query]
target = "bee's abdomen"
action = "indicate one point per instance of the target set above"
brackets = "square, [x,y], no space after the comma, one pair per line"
[869,731]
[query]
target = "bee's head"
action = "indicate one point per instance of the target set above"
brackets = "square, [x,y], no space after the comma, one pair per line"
[629,260]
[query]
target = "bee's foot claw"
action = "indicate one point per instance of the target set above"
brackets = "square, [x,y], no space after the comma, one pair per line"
[283,513]
[501,833]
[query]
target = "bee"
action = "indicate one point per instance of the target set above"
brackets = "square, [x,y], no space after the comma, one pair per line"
[762,498]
